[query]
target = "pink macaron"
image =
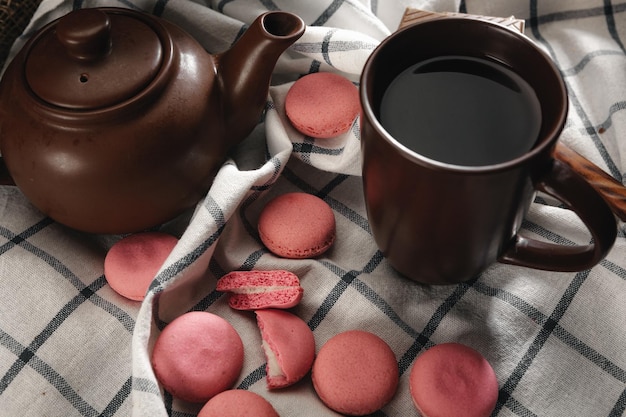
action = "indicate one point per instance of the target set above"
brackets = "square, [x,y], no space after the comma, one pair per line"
[132,262]
[322,104]
[254,290]
[237,403]
[297,225]
[289,347]
[197,356]
[451,380]
[355,373]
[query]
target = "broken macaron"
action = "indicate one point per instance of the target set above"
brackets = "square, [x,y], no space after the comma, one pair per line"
[289,347]
[254,290]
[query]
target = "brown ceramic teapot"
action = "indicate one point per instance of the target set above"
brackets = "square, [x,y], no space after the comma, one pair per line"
[114,121]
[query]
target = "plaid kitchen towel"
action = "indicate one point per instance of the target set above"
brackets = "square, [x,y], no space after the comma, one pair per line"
[70,346]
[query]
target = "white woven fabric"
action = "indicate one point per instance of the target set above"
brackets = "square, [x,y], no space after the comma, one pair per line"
[70,346]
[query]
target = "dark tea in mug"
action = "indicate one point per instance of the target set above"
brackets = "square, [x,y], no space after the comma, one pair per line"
[462,111]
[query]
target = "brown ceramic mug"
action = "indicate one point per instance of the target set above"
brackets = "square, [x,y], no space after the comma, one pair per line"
[441,216]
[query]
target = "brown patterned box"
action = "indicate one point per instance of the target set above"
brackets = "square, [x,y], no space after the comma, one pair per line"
[412,16]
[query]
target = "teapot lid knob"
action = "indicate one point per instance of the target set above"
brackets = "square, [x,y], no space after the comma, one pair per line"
[96,58]
[85,34]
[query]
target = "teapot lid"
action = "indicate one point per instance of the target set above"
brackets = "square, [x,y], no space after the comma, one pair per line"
[94,58]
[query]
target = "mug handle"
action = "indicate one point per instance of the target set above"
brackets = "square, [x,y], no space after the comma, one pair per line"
[563,183]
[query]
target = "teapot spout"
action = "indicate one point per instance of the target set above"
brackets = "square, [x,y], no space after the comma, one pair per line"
[245,70]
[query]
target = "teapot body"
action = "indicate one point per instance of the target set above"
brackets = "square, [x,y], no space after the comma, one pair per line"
[121,168]
[115,121]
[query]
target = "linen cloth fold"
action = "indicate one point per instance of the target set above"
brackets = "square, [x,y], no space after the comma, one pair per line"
[70,346]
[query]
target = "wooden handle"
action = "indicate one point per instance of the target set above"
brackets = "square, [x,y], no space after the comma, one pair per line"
[613,192]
